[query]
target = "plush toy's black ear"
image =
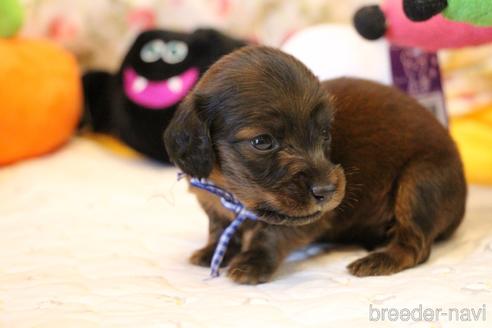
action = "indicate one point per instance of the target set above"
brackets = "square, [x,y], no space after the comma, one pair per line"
[370,22]
[214,43]
[97,101]
[422,10]
[187,139]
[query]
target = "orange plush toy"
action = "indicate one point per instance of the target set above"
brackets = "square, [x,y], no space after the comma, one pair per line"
[40,97]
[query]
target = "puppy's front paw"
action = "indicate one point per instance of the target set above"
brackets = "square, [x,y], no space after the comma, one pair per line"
[375,264]
[203,256]
[252,267]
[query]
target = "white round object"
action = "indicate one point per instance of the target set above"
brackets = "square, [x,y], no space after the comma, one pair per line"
[332,51]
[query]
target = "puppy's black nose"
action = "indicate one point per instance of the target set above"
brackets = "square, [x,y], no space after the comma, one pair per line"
[322,192]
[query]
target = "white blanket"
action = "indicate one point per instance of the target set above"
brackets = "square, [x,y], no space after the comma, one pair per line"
[91,239]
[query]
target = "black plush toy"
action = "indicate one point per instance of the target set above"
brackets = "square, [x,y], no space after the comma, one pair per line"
[161,67]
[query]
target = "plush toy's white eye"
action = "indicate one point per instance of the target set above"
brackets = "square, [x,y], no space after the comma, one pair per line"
[152,51]
[175,52]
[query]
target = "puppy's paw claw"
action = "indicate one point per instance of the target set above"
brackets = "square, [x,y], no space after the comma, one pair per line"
[375,264]
[251,268]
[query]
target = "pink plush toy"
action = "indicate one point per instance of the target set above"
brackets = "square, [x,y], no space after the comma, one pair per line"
[389,20]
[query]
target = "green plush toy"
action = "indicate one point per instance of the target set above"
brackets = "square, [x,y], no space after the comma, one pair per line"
[11,17]
[476,12]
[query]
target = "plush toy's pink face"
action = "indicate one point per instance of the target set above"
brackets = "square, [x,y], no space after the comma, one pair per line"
[389,20]
[433,34]
[158,94]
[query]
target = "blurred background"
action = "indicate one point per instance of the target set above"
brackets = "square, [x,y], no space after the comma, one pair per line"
[99,33]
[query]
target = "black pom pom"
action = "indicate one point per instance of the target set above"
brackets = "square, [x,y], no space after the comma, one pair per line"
[422,10]
[370,22]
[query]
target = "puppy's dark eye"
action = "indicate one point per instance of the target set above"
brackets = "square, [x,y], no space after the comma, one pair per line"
[263,142]
[326,135]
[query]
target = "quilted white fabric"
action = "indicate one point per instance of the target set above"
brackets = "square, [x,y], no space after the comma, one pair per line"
[90,239]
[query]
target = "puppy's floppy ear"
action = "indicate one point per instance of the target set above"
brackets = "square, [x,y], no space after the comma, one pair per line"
[187,139]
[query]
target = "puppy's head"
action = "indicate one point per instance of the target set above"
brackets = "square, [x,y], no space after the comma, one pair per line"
[259,124]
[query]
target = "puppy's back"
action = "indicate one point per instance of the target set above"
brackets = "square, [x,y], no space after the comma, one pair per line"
[379,135]
[378,120]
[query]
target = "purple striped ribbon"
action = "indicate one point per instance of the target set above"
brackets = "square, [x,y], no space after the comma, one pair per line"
[232,204]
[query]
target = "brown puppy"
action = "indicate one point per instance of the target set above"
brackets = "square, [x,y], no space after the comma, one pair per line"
[345,161]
